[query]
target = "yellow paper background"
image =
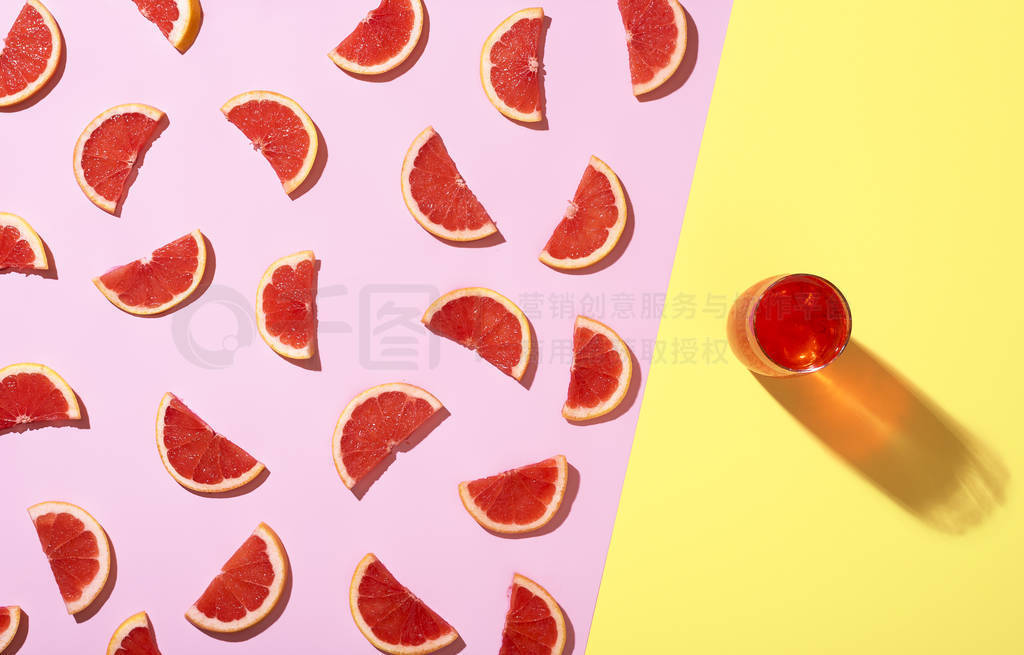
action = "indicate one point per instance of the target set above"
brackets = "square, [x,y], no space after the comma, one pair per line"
[877,144]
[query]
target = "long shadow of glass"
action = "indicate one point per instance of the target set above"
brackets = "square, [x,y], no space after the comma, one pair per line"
[880,425]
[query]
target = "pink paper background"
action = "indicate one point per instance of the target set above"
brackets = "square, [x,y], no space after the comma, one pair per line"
[201,173]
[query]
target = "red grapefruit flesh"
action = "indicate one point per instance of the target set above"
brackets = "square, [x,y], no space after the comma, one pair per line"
[484,321]
[247,588]
[593,222]
[279,129]
[391,617]
[534,624]
[20,246]
[178,20]
[77,549]
[33,393]
[134,637]
[159,281]
[510,66]
[656,39]
[108,148]
[601,370]
[382,40]
[285,311]
[30,54]
[195,455]
[374,424]
[10,620]
[518,500]
[437,196]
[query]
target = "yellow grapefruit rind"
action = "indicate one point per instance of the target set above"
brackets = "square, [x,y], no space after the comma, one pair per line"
[29,235]
[7,636]
[587,413]
[131,108]
[279,560]
[373,392]
[197,278]
[414,207]
[524,359]
[377,69]
[51,63]
[481,517]
[186,28]
[486,66]
[364,627]
[307,125]
[93,589]
[280,348]
[74,411]
[553,608]
[676,58]
[226,485]
[614,232]
[140,620]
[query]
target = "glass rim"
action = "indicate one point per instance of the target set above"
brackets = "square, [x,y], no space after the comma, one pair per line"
[846,308]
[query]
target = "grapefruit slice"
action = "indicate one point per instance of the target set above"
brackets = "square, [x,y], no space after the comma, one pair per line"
[375,423]
[107,149]
[382,40]
[10,620]
[178,20]
[593,222]
[159,281]
[77,549]
[33,393]
[247,587]
[484,321]
[30,54]
[278,128]
[134,637]
[284,306]
[656,40]
[518,500]
[436,194]
[390,616]
[510,66]
[534,624]
[601,369]
[20,246]
[195,455]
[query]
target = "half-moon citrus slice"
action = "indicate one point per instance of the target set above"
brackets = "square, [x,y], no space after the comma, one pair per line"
[30,54]
[279,129]
[10,620]
[34,393]
[159,281]
[77,549]
[134,637]
[534,624]
[247,588]
[382,40]
[375,423]
[108,148]
[510,65]
[195,455]
[484,321]
[390,616]
[518,500]
[656,40]
[284,306]
[20,246]
[437,196]
[593,222]
[178,20]
[601,369]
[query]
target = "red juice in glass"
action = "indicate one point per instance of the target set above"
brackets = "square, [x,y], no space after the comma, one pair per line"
[789,325]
